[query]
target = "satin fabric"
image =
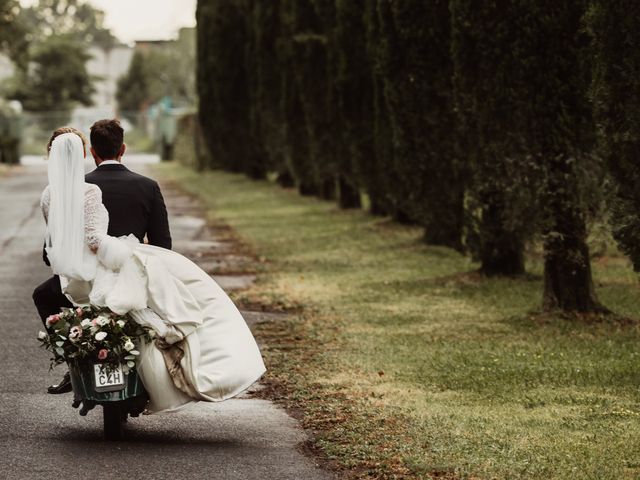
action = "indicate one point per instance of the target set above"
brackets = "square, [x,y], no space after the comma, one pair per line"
[221,357]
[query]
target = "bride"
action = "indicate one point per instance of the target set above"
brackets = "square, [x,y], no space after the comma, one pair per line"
[204,350]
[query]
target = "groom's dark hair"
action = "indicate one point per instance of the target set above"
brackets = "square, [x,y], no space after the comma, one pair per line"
[106,138]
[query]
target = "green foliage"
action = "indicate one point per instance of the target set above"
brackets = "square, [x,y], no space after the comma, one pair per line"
[51,73]
[72,18]
[487,72]
[469,119]
[521,86]
[615,27]
[267,116]
[223,86]
[133,88]
[13,33]
[416,71]
[57,78]
[354,94]
[303,54]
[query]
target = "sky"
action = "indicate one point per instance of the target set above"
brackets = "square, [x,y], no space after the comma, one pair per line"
[131,20]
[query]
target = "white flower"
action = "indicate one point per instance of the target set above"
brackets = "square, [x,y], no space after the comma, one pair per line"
[128,345]
[85,323]
[102,321]
[42,335]
[120,323]
[101,336]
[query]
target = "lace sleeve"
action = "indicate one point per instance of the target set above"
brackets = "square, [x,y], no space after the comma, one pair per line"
[44,203]
[94,212]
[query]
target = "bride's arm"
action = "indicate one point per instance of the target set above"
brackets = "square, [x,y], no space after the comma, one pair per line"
[112,252]
[44,203]
[94,228]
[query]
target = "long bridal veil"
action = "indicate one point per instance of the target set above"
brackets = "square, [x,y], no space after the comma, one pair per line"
[65,238]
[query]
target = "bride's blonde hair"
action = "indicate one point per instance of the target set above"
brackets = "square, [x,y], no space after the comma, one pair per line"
[59,131]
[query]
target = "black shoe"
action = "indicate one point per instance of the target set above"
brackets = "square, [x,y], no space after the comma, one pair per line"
[63,387]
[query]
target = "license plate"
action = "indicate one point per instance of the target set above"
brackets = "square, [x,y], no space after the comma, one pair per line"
[108,380]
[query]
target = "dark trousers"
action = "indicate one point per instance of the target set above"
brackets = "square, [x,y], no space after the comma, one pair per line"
[49,298]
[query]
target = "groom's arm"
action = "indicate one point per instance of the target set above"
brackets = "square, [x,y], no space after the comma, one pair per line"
[158,232]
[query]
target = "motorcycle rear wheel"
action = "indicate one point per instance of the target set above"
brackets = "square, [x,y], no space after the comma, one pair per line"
[112,419]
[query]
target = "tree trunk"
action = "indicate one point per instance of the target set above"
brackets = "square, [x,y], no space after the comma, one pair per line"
[403,217]
[307,189]
[501,251]
[328,189]
[568,284]
[349,197]
[285,179]
[376,207]
[445,224]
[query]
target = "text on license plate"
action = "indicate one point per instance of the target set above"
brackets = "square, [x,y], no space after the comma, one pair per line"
[112,377]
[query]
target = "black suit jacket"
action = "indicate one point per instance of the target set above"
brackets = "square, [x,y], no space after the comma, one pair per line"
[134,203]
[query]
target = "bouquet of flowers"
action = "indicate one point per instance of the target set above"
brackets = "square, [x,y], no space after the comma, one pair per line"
[77,335]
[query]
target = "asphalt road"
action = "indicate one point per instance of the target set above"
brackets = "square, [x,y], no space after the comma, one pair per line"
[42,437]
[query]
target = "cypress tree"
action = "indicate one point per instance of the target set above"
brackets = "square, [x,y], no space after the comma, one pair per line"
[297,144]
[223,86]
[483,66]
[531,106]
[378,175]
[354,85]
[267,119]
[417,71]
[615,26]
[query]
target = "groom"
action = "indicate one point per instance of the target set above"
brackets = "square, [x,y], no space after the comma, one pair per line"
[135,205]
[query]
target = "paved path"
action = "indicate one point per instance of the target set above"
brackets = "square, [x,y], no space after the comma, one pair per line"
[42,437]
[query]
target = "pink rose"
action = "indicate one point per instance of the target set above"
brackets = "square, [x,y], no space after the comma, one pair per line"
[94,322]
[52,319]
[102,354]
[79,312]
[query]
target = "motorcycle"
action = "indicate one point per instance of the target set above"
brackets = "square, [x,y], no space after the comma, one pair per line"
[120,393]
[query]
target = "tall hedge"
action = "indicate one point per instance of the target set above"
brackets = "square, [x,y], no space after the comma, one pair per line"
[523,79]
[354,86]
[223,86]
[380,176]
[615,26]
[485,80]
[470,118]
[266,86]
[417,71]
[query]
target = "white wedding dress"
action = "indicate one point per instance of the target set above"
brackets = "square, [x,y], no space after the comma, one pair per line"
[215,355]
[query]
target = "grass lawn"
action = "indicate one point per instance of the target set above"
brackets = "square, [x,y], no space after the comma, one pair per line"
[406,364]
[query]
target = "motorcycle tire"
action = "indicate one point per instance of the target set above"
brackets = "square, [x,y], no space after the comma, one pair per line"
[112,417]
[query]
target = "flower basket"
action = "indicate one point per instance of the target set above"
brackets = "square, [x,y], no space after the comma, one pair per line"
[89,336]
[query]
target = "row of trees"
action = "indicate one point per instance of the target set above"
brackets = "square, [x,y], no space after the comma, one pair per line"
[47,42]
[478,121]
